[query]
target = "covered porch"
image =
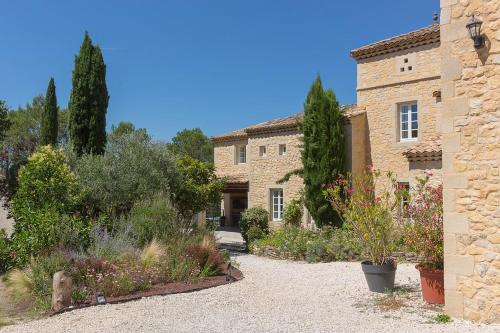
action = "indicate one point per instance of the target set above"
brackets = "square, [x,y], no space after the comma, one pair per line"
[235,201]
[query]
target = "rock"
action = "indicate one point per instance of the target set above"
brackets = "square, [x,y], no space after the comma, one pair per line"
[61,290]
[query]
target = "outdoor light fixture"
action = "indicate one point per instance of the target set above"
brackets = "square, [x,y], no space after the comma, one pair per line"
[99,297]
[474,27]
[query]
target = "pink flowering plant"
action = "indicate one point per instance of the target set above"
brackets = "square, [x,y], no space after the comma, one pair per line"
[424,226]
[368,204]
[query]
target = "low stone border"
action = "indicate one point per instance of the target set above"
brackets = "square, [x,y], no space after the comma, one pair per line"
[162,290]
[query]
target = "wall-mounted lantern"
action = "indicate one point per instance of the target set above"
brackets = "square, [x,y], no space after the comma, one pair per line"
[474,27]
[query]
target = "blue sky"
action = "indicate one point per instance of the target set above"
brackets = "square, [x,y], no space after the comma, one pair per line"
[217,65]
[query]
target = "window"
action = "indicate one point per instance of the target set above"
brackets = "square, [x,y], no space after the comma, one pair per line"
[282,149]
[277,204]
[408,122]
[262,151]
[242,154]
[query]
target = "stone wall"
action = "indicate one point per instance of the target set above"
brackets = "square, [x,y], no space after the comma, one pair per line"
[381,88]
[385,69]
[265,171]
[225,157]
[471,160]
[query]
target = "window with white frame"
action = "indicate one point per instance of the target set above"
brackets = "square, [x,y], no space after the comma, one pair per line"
[241,158]
[282,149]
[277,204]
[262,151]
[408,122]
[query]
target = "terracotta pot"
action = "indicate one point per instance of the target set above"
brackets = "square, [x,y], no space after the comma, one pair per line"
[432,282]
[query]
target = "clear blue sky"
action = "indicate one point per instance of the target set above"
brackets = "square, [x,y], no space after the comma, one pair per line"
[217,65]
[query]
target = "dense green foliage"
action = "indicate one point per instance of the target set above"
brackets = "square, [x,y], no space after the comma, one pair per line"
[328,244]
[193,143]
[150,219]
[44,207]
[200,187]
[254,218]
[4,120]
[23,138]
[89,100]
[49,123]
[123,128]
[132,169]
[292,215]
[323,151]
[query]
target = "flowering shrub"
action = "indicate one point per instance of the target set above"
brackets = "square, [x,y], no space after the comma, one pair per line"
[424,231]
[367,204]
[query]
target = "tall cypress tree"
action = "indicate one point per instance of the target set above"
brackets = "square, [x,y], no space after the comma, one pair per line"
[49,124]
[323,151]
[89,100]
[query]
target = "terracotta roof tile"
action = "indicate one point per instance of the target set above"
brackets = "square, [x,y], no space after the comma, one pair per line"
[236,179]
[279,124]
[429,150]
[423,36]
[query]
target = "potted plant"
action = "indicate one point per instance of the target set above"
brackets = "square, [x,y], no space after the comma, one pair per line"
[366,205]
[424,236]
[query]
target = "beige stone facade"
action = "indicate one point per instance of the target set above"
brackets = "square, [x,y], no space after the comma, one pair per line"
[251,183]
[470,123]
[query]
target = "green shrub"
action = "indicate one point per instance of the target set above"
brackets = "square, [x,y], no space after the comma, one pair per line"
[317,250]
[44,207]
[254,233]
[324,245]
[5,252]
[46,183]
[292,214]
[151,219]
[255,216]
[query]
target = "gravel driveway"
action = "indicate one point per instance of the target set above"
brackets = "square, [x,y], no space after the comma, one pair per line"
[275,296]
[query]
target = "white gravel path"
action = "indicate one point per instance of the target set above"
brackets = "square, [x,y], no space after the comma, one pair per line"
[275,296]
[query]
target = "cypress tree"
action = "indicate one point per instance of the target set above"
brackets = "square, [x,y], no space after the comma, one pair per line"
[323,151]
[49,124]
[97,127]
[89,100]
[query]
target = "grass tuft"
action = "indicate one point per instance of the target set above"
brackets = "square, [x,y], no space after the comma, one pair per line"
[442,318]
[19,283]
[152,253]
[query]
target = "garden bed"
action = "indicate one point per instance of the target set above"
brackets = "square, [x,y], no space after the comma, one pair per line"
[163,289]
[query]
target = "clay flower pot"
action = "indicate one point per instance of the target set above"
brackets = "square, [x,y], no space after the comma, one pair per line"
[432,282]
[380,278]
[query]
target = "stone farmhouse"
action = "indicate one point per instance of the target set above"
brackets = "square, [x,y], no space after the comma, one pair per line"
[428,100]
[393,126]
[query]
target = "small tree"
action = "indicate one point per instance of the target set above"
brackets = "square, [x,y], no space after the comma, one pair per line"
[46,181]
[44,207]
[200,188]
[193,143]
[49,125]
[323,151]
